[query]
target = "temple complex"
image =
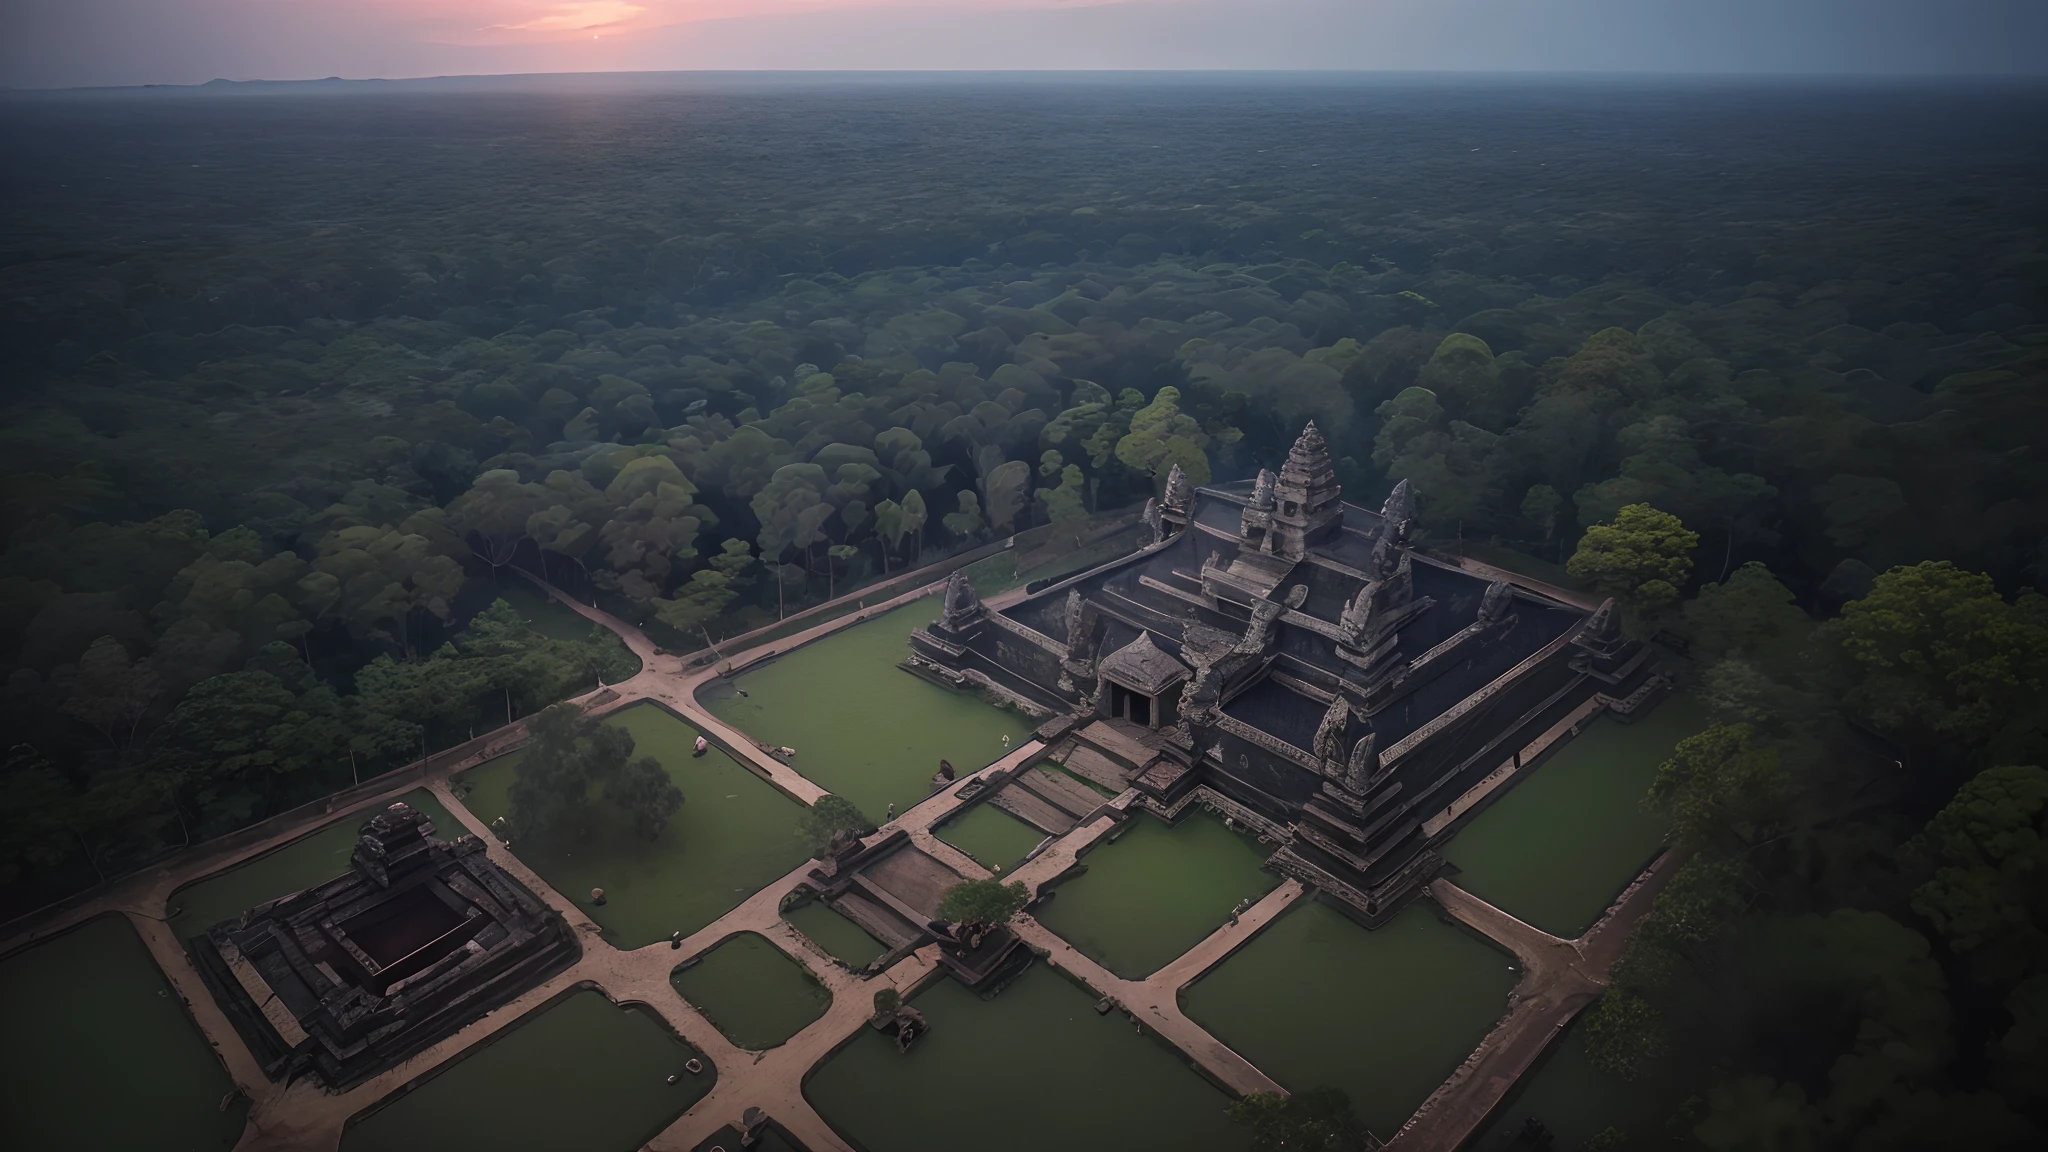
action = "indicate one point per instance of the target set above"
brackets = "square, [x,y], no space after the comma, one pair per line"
[349,977]
[1298,663]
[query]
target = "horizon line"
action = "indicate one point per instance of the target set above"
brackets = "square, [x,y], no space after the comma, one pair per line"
[1959,78]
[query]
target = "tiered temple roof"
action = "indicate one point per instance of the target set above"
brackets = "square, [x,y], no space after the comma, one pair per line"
[1298,657]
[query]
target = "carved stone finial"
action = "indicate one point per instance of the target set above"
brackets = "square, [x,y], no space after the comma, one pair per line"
[1153,521]
[963,604]
[1385,558]
[1077,630]
[1494,606]
[1357,614]
[1179,492]
[1264,612]
[1330,733]
[1365,763]
[1603,627]
[1262,489]
[1397,513]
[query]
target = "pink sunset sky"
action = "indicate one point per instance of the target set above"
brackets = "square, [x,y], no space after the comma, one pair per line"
[60,43]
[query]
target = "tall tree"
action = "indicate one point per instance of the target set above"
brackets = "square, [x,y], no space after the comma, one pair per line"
[567,754]
[1940,654]
[1642,557]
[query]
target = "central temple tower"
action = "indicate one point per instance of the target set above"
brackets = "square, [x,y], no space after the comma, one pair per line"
[1308,503]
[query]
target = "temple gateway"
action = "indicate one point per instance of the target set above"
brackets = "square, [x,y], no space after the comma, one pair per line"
[1292,660]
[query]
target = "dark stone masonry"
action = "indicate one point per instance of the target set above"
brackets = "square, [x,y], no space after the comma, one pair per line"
[418,938]
[1293,660]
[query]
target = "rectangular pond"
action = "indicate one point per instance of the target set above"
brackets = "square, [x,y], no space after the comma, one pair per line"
[584,1073]
[97,1052]
[752,992]
[1156,890]
[996,839]
[862,727]
[734,833]
[309,860]
[1385,1015]
[1032,1070]
[1572,832]
[835,933]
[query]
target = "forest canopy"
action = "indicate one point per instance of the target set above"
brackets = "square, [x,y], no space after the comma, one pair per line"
[304,394]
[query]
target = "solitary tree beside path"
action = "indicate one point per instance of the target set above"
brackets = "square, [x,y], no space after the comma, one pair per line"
[568,752]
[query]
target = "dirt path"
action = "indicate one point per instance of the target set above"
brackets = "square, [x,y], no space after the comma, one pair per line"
[1560,979]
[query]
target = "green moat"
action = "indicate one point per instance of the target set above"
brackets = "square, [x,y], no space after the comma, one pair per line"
[97,1052]
[1033,1069]
[1567,838]
[1156,890]
[1384,1015]
[996,839]
[862,727]
[734,833]
[755,994]
[835,933]
[584,1073]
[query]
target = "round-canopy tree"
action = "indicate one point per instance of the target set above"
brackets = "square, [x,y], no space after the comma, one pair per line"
[569,751]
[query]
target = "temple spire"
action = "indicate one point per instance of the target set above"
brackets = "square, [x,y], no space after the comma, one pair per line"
[1311,453]
[1309,503]
[1178,489]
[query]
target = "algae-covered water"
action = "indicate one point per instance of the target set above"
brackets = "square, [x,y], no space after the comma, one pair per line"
[755,994]
[1569,836]
[998,840]
[1385,1015]
[584,1074]
[1156,891]
[296,866]
[96,1052]
[835,933]
[1034,1069]
[734,833]
[863,727]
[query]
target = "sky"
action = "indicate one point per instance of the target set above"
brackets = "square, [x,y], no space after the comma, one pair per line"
[69,43]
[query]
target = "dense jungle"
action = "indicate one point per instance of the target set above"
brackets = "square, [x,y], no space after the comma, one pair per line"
[299,378]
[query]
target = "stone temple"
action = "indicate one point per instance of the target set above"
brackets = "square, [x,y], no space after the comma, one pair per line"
[1294,661]
[348,977]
